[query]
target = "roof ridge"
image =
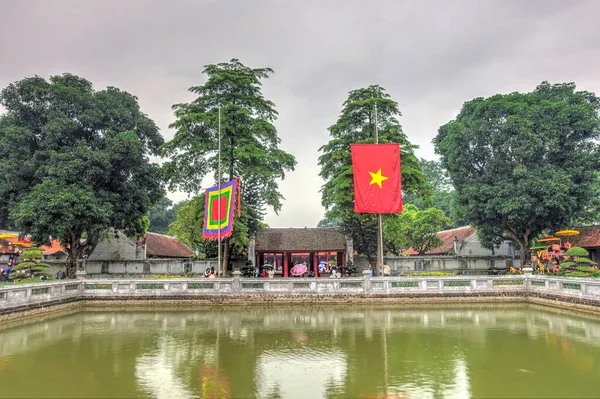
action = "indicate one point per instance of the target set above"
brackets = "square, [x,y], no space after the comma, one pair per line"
[456,228]
[161,235]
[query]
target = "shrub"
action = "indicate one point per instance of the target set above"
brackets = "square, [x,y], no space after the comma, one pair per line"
[350,268]
[248,269]
[431,274]
[577,274]
[577,251]
[586,261]
[31,254]
[30,270]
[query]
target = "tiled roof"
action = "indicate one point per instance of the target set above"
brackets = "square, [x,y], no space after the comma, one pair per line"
[588,237]
[447,237]
[300,239]
[161,246]
[53,248]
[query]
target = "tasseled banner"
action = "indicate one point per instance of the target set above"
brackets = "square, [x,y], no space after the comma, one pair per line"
[239,199]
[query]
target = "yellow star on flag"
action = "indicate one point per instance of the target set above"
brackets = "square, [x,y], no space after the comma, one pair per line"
[377,178]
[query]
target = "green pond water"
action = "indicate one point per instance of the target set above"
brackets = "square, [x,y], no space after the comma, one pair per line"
[304,352]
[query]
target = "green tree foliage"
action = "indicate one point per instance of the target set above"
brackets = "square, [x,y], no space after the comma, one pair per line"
[356,124]
[75,161]
[416,229]
[442,196]
[523,163]
[162,214]
[188,226]
[250,143]
[30,266]
[326,222]
[577,251]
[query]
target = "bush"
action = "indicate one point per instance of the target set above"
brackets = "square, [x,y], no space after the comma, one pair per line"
[586,261]
[164,276]
[28,269]
[31,254]
[577,251]
[248,270]
[577,274]
[350,268]
[431,274]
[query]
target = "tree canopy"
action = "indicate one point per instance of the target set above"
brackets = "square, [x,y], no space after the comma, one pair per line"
[523,163]
[250,141]
[416,229]
[75,161]
[162,214]
[356,124]
[442,196]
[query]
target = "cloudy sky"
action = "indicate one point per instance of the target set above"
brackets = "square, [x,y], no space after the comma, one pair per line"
[431,56]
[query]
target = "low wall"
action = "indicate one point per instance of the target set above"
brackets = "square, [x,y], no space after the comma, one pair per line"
[467,265]
[142,268]
[247,291]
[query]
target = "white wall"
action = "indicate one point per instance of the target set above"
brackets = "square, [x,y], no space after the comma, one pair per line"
[117,247]
[471,247]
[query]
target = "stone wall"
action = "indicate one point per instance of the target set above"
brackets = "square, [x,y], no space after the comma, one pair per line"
[143,268]
[248,291]
[401,265]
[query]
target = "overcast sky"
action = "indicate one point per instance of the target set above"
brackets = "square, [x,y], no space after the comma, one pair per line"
[431,56]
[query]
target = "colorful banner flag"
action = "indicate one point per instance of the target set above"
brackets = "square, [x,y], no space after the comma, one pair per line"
[377,185]
[223,222]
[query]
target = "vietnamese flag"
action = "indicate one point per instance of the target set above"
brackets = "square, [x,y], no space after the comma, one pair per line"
[377,186]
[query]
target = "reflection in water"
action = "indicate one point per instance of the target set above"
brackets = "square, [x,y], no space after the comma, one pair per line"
[299,374]
[305,353]
[155,373]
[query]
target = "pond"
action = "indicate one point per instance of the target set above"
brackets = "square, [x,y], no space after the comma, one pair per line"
[330,352]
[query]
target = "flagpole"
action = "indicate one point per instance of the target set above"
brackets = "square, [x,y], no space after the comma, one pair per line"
[219,201]
[379,225]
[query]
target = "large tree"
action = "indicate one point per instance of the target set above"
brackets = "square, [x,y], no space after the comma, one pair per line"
[416,229]
[523,163]
[162,214]
[75,162]
[250,143]
[442,197]
[356,124]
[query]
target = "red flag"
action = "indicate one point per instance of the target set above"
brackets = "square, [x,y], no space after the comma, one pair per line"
[377,186]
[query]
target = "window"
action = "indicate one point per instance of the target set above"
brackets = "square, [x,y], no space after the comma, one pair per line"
[187,268]
[104,267]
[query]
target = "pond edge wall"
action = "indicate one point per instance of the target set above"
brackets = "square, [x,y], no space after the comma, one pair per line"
[32,299]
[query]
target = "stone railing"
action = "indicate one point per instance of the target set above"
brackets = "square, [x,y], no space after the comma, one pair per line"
[28,295]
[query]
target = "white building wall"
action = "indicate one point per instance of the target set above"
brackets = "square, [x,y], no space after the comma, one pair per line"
[471,247]
[117,247]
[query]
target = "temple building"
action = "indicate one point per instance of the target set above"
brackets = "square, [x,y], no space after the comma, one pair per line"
[285,247]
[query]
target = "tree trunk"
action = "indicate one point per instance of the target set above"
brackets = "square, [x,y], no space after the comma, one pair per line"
[225,259]
[523,241]
[524,255]
[71,265]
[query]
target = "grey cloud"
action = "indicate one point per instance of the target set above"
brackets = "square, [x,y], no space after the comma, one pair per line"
[431,56]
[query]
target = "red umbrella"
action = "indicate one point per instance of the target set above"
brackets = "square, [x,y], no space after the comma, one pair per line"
[299,269]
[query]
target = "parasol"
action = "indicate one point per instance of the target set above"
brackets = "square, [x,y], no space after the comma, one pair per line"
[8,235]
[548,239]
[299,269]
[267,266]
[538,247]
[23,243]
[567,233]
